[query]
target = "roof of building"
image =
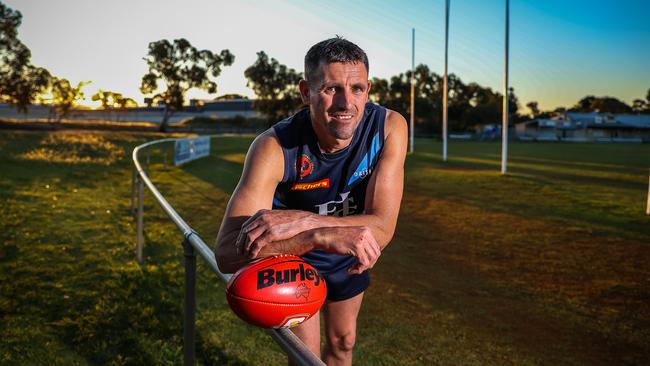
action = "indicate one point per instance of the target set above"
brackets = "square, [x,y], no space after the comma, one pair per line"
[637,120]
[594,120]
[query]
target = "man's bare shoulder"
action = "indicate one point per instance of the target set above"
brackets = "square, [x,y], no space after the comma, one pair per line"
[266,145]
[267,140]
[265,155]
[395,123]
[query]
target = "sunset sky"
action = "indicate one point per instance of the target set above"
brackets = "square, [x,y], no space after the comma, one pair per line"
[560,50]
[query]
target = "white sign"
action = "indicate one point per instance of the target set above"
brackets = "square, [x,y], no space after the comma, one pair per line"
[191,149]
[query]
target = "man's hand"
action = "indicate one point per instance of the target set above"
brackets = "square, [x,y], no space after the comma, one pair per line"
[267,226]
[357,241]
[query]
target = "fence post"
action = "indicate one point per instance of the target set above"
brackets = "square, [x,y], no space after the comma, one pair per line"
[647,208]
[140,225]
[133,179]
[189,348]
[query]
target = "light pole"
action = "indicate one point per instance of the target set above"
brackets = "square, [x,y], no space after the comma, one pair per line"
[412,123]
[444,95]
[504,127]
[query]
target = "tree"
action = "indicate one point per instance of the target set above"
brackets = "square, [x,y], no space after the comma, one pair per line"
[181,67]
[584,105]
[480,106]
[513,107]
[106,98]
[276,87]
[610,105]
[20,81]
[64,97]
[534,109]
[639,106]
[591,103]
[231,97]
[380,91]
[113,101]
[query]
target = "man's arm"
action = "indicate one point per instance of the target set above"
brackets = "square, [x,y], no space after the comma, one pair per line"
[253,197]
[383,199]
[262,171]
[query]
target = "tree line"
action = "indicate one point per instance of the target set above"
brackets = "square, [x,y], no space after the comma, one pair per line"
[175,67]
[469,104]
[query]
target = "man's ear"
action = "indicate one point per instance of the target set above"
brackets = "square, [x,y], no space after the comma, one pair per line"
[369,86]
[303,85]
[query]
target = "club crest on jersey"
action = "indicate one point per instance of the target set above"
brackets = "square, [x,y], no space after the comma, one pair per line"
[308,186]
[305,166]
[343,207]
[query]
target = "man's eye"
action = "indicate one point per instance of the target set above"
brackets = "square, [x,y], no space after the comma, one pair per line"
[357,89]
[331,89]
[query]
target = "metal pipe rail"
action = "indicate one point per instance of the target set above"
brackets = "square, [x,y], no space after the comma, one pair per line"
[192,243]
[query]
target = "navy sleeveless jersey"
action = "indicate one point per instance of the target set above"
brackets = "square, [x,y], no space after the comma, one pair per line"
[328,184]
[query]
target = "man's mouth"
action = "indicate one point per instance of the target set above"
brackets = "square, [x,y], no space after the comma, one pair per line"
[342,117]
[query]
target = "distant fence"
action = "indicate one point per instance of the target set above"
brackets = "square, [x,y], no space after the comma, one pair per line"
[193,244]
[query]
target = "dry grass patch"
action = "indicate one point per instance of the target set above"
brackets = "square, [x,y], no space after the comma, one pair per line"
[75,149]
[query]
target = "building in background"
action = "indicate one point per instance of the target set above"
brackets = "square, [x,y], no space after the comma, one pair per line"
[587,127]
[214,109]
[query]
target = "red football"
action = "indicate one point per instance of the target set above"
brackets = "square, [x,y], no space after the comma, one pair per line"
[276,292]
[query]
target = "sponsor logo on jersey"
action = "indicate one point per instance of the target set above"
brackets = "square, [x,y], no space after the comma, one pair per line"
[270,277]
[305,166]
[343,207]
[368,161]
[362,173]
[308,186]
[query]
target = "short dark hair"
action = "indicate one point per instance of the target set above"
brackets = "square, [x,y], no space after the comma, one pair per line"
[332,50]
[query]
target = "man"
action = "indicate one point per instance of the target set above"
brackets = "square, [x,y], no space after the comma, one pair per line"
[325,184]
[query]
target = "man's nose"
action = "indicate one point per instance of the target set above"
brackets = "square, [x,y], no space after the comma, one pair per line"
[343,99]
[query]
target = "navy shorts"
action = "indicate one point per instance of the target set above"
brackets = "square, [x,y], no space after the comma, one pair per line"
[334,268]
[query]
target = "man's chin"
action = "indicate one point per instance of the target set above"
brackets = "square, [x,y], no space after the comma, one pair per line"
[342,132]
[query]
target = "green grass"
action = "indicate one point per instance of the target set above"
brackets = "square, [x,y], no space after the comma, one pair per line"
[548,265]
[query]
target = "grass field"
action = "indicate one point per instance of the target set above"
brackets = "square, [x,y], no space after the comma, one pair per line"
[548,265]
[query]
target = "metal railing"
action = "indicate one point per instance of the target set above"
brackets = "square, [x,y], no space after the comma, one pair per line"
[193,244]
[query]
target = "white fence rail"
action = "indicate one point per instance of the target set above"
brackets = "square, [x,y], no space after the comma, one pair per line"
[193,244]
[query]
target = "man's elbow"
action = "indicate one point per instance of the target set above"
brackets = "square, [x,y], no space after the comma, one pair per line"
[386,235]
[224,265]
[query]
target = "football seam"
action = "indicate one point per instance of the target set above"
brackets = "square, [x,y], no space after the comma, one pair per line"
[273,303]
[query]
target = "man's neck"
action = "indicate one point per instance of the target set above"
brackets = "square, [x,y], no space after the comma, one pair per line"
[328,144]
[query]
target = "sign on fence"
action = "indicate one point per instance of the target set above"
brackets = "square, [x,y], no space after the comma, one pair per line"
[190,149]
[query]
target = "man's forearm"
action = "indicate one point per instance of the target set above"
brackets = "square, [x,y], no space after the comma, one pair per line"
[230,257]
[274,232]
[357,241]
[228,260]
[381,228]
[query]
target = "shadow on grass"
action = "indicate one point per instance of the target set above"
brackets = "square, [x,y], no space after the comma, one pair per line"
[610,203]
[624,177]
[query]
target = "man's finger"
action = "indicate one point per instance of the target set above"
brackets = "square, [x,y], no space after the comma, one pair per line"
[253,218]
[238,243]
[257,247]
[363,259]
[251,237]
[376,249]
[356,269]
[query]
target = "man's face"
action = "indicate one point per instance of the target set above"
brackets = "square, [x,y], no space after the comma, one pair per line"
[337,97]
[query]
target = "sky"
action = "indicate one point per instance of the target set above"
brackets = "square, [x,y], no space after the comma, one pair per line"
[560,50]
